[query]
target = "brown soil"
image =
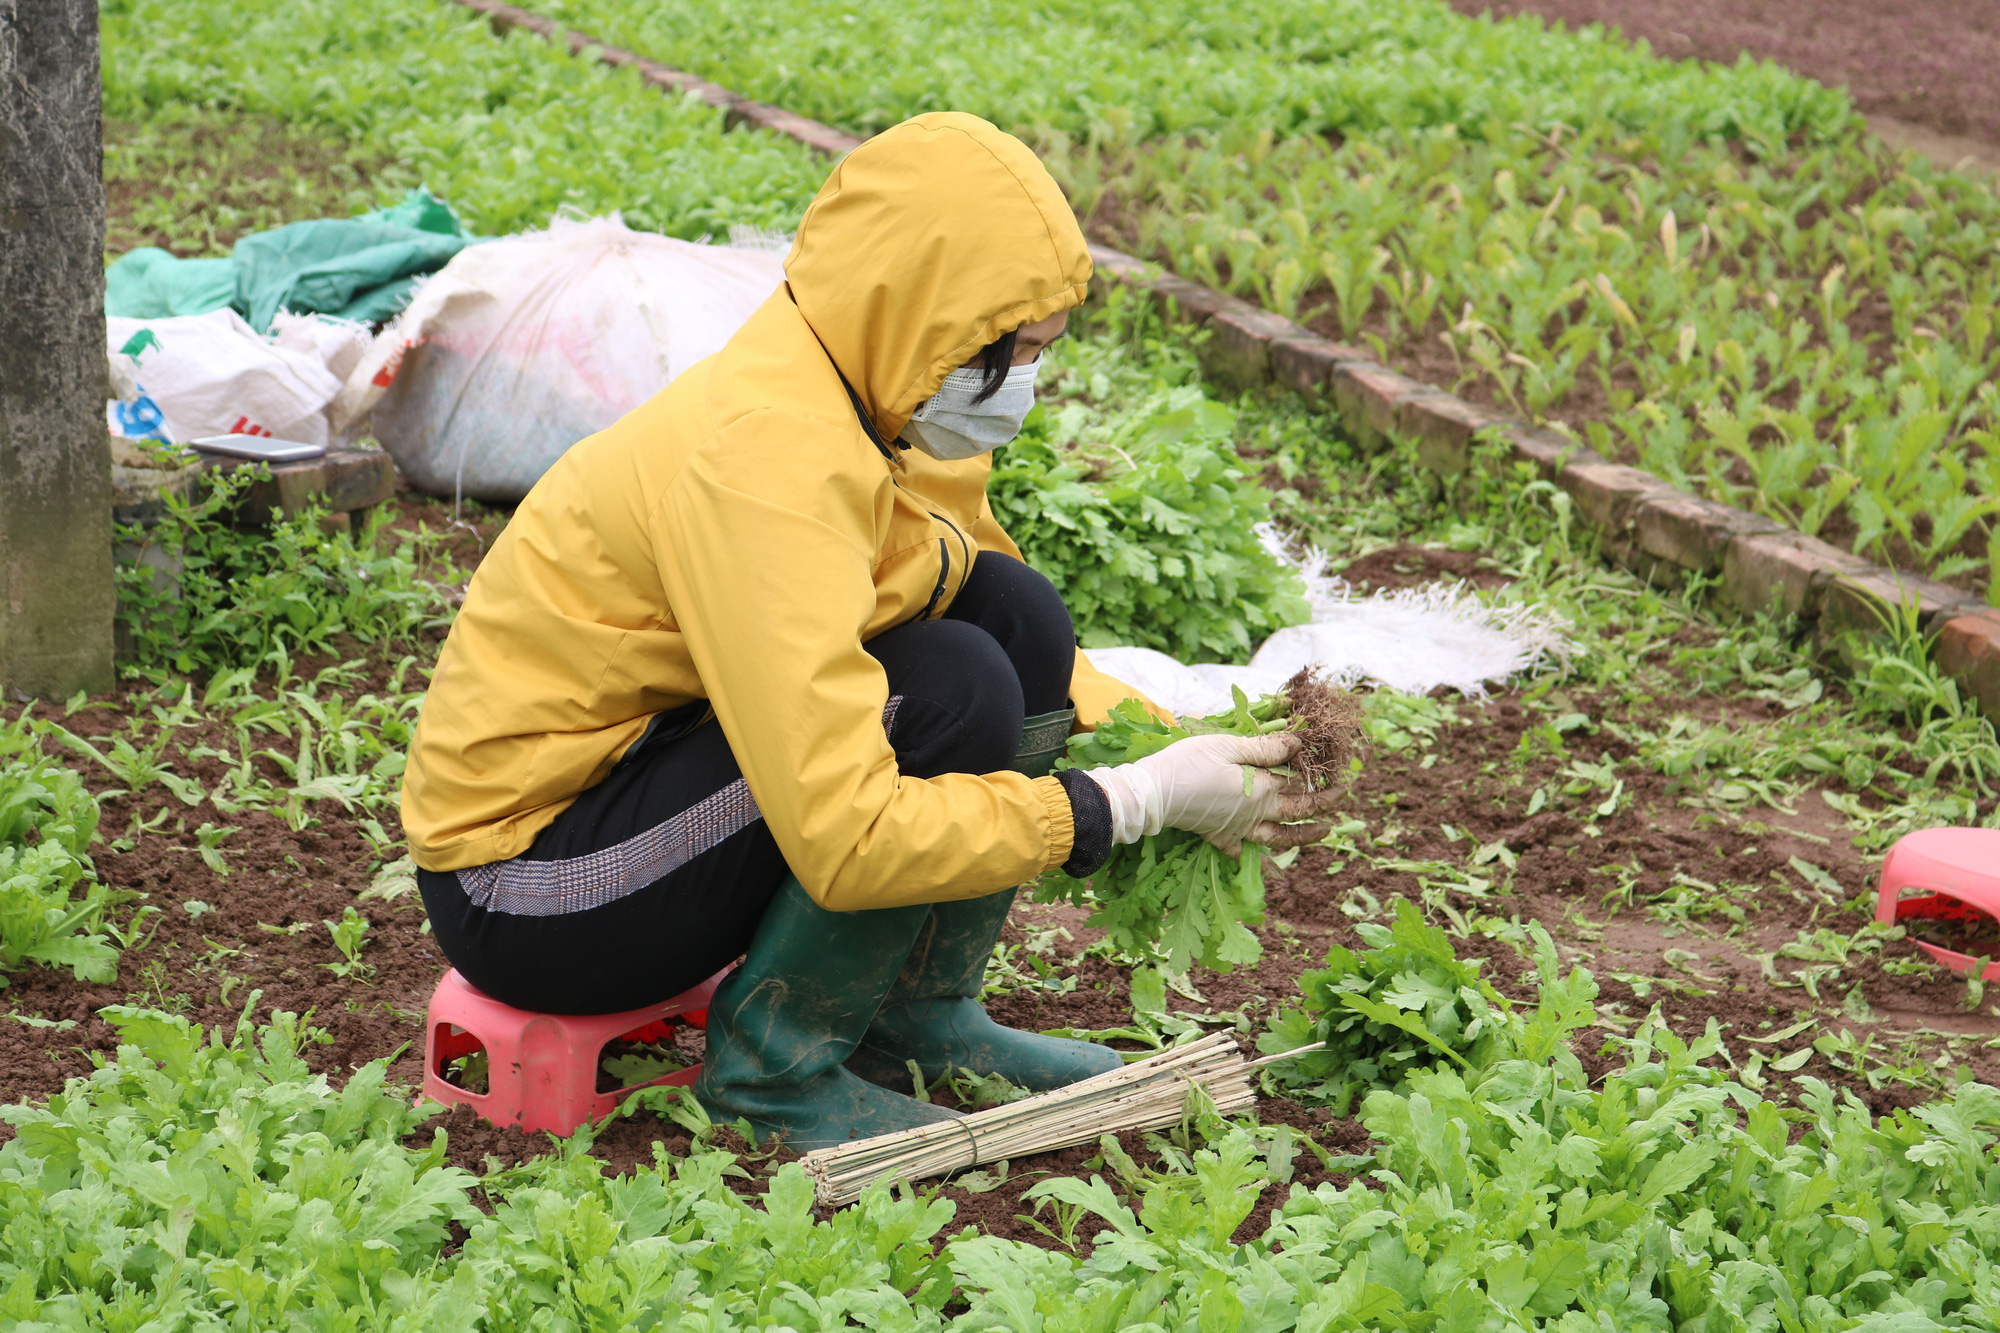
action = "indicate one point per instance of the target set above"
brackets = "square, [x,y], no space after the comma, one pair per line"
[1405,566]
[259,929]
[1928,62]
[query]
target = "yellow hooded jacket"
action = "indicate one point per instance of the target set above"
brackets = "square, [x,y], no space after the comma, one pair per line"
[739,537]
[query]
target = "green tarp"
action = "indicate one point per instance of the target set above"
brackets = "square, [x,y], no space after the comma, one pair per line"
[357,268]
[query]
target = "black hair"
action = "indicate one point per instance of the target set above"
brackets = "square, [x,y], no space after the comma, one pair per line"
[995,360]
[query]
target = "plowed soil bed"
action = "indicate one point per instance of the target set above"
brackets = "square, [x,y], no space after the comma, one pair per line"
[1595,881]
[1929,62]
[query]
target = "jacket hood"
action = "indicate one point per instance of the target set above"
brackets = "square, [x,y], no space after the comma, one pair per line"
[926,243]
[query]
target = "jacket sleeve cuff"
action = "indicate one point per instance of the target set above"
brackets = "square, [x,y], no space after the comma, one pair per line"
[1090,821]
[1062,827]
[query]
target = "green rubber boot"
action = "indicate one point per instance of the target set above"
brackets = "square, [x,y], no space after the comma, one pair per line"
[932,1014]
[1044,738]
[781,1025]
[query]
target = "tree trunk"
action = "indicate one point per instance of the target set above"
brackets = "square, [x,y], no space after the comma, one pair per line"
[55,462]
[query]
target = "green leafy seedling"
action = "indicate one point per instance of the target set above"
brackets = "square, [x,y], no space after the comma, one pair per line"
[636,1067]
[349,935]
[210,836]
[1975,984]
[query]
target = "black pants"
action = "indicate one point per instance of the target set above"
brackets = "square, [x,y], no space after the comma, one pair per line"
[655,878]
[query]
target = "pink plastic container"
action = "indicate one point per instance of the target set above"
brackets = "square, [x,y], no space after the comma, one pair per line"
[542,1068]
[1945,875]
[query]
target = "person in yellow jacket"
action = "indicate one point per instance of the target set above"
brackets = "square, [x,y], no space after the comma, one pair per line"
[755,673]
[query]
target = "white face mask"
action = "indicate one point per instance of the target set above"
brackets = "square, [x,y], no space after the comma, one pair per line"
[949,426]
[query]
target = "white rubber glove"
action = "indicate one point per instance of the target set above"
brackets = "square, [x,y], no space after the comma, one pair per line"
[1218,786]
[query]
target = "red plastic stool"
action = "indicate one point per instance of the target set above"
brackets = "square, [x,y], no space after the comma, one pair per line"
[1943,874]
[542,1068]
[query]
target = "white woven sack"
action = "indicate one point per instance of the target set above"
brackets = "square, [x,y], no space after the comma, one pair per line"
[522,346]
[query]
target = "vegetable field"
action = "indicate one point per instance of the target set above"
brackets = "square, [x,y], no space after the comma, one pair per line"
[1612,1040]
[1676,1048]
[1707,271]
[509,131]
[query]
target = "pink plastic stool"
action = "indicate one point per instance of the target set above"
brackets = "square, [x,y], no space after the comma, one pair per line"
[1943,874]
[542,1068]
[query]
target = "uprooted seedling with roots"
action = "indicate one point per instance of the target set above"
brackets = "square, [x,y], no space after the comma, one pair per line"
[1329,719]
[1171,893]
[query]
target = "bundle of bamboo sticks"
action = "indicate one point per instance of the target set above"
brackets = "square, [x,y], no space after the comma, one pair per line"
[1145,1094]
